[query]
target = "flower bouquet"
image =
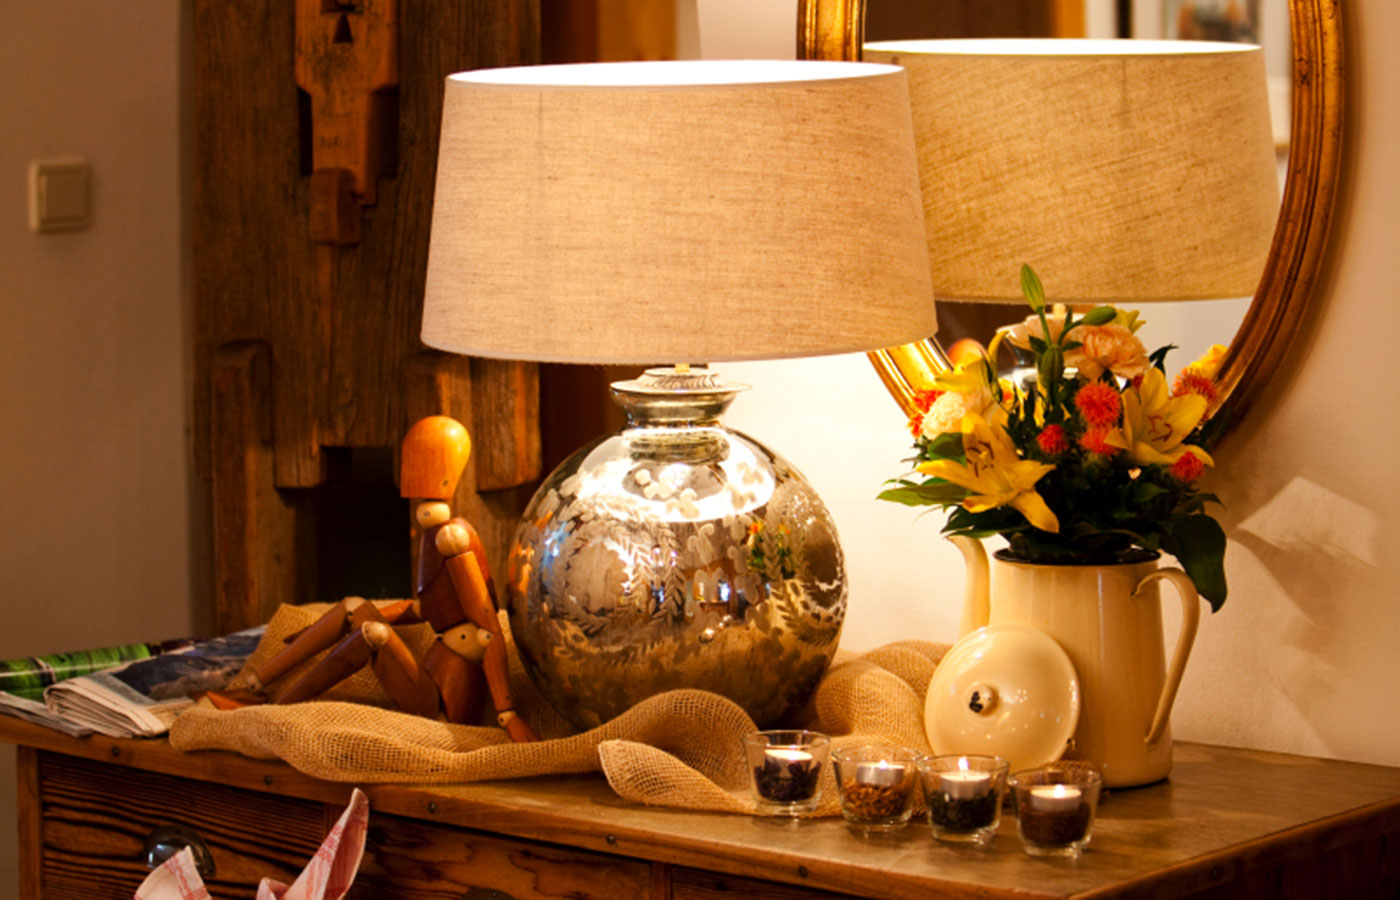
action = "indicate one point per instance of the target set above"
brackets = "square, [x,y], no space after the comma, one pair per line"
[1093,460]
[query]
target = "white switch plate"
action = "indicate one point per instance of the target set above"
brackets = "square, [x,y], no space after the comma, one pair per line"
[59,195]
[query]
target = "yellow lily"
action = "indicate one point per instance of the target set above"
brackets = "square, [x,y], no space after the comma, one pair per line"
[1129,319]
[1155,423]
[1209,363]
[969,376]
[996,474]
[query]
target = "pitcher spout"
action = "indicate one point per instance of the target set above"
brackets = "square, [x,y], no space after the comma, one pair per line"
[977,604]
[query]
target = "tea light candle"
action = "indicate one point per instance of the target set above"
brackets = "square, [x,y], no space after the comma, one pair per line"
[1055,809]
[1055,798]
[877,785]
[788,774]
[784,758]
[880,774]
[965,785]
[786,769]
[1055,819]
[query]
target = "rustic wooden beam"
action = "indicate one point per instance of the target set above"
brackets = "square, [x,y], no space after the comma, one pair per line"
[255,546]
[29,800]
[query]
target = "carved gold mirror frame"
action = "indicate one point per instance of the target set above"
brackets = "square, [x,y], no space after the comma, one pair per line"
[834,29]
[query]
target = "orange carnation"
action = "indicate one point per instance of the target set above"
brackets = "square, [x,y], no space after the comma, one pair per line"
[1187,468]
[923,401]
[1094,440]
[1052,440]
[1192,381]
[1099,404]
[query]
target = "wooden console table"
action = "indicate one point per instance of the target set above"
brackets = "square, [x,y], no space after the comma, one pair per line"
[1228,824]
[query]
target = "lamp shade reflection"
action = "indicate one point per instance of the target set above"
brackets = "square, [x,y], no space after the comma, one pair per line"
[1123,171]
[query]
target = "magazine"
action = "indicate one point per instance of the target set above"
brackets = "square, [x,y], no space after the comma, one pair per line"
[22,707]
[27,676]
[140,698]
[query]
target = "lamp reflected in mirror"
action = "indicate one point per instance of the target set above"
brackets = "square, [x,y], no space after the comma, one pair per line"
[1303,47]
[1125,172]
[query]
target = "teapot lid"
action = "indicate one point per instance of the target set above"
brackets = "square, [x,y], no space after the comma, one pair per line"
[1003,690]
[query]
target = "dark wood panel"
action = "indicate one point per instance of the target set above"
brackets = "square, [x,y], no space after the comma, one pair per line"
[887,20]
[339,323]
[95,819]
[413,860]
[340,320]
[30,829]
[695,884]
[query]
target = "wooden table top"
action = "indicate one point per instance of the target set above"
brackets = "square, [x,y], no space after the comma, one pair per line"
[1221,811]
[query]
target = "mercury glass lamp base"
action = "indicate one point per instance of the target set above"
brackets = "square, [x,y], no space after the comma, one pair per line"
[675,554]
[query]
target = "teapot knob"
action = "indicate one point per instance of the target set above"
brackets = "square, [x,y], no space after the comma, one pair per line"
[982,699]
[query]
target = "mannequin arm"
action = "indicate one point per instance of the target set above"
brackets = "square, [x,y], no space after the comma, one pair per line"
[338,621]
[348,657]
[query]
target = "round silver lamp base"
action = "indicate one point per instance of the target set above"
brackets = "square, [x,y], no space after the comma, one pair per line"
[675,554]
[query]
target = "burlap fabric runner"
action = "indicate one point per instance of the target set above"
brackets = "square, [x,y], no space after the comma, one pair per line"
[680,749]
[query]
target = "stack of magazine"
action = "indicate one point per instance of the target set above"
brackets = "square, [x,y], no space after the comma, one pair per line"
[135,690]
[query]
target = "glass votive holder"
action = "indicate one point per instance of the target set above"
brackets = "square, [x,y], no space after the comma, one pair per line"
[1055,808]
[963,795]
[877,785]
[786,768]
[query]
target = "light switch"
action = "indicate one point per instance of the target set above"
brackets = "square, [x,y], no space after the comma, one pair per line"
[59,195]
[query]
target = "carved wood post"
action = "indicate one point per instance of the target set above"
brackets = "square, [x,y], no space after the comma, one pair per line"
[335,324]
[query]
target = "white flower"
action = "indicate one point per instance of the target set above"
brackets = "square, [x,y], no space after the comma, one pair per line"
[945,416]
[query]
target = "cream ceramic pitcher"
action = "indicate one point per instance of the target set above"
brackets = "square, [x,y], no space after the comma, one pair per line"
[1108,621]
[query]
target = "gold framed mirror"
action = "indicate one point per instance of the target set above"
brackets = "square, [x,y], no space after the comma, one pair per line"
[834,29]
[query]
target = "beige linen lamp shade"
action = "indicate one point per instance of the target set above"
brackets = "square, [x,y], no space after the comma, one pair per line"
[1121,170]
[677,212]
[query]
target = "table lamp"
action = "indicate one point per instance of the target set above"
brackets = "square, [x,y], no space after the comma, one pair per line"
[1123,171]
[688,213]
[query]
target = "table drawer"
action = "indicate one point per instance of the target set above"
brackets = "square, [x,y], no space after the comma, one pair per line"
[698,884]
[95,817]
[412,859]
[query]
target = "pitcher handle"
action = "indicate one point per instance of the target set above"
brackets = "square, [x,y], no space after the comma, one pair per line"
[1190,618]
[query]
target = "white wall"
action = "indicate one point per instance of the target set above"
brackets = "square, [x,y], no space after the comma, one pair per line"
[1304,657]
[95,522]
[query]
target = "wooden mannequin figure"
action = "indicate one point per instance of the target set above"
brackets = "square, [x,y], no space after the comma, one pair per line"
[452,594]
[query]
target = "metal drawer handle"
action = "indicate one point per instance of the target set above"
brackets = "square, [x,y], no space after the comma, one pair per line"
[165,841]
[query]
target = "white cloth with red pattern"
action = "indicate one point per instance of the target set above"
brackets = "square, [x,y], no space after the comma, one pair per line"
[327,877]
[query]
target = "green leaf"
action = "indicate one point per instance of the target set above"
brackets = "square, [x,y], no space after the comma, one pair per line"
[1099,315]
[1158,357]
[1144,491]
[1051,366]
[931,493]
[1002,520]
[1201,551]
[948,445]
[1031,288]
[976,533]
